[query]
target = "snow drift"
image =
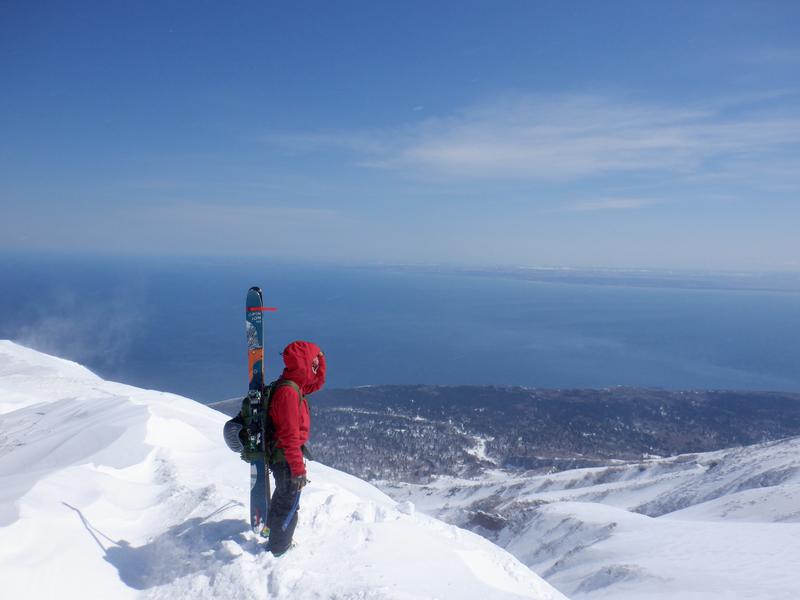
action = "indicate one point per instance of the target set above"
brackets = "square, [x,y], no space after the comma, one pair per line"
[110,491]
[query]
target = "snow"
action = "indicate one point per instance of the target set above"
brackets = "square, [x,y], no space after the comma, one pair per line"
[111,491]
[722,525]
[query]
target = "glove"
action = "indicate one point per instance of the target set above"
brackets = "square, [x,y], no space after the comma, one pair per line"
[298,483]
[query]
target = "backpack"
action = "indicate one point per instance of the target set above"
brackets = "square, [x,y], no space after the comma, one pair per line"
[257,425]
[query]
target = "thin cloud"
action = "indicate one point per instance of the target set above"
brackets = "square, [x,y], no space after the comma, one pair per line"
[567,138]
[610,204]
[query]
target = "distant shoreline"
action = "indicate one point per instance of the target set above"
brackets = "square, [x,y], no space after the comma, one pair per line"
[751,281]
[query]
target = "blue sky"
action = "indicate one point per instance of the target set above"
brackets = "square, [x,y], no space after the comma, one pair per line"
[612,134]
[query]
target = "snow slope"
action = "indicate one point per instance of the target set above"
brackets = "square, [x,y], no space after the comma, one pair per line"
[716,526]
[110,491]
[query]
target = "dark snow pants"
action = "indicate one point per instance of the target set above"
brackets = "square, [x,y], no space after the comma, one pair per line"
[283,500]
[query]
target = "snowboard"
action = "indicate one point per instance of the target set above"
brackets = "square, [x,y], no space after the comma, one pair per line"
[259,475]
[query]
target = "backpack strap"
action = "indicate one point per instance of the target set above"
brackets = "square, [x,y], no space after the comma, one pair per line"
[288,383]
[246,412]
[276,454]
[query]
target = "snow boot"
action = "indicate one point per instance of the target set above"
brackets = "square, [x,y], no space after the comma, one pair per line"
[281,553]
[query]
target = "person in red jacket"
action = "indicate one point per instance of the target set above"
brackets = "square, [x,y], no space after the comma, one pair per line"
[304,374]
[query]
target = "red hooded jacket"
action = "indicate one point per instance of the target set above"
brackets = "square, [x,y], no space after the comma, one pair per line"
[290,416]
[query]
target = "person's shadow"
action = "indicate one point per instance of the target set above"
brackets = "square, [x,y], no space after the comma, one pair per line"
[193,546]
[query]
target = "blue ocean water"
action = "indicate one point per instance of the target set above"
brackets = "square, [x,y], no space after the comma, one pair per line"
[179,326]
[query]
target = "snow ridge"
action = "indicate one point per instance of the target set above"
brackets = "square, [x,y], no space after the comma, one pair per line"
[107,490]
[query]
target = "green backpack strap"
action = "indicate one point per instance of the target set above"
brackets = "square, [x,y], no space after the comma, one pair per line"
[276,454]
[291,384]
[294,386]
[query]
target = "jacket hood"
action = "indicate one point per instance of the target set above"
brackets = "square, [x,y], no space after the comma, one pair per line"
[297,357]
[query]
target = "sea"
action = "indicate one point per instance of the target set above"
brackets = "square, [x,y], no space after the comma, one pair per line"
[177,324]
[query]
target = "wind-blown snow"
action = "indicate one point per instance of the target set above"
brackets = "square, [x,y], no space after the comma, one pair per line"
[110,491]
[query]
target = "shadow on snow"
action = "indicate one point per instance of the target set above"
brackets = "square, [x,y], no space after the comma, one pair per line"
[196,545]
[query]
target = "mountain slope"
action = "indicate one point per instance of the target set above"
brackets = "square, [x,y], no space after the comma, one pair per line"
[718,525]
[107,490]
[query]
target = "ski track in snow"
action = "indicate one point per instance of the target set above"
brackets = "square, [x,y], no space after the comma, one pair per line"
[110,491]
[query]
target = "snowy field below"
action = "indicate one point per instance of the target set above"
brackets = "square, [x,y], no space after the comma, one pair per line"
[716,526]
[110,491]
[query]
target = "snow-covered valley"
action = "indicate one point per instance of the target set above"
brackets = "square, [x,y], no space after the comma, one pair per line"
[111,491]
[721,525]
